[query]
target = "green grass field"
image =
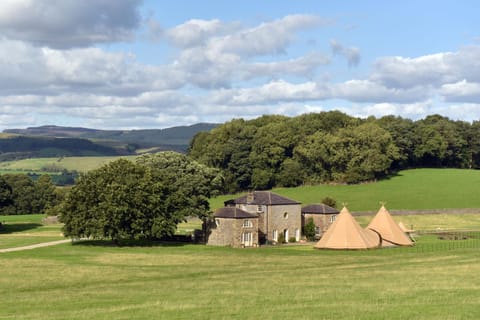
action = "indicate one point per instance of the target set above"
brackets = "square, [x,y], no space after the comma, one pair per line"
[80,164]
[198,282]
[436,279]
[410,189]
[22,230]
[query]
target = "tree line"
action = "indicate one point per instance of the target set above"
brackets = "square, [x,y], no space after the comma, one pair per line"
[20,194]
[275,150]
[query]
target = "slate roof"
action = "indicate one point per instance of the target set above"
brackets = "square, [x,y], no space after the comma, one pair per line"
[319,209]
[233,213]
[264,198]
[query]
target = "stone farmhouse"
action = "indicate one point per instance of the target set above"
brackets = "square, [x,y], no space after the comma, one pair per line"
[256,218]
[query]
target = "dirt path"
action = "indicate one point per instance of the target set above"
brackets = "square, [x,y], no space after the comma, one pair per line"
[34,246]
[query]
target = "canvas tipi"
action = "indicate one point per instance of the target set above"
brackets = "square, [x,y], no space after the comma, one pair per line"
[388,229]
[346,233]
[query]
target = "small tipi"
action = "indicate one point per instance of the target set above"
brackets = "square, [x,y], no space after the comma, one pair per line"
[346,233]
[388,229]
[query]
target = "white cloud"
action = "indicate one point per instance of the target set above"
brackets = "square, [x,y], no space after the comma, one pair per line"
[461,91]
[69,23]
[268,38]
[302,66]
[409,110]
[369,91]
[196,32]
[271,93]
[352,54]
[430,70]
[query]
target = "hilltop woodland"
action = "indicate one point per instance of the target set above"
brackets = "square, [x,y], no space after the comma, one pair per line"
[274,151]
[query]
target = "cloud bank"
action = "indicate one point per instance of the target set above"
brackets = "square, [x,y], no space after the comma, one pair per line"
[54,68]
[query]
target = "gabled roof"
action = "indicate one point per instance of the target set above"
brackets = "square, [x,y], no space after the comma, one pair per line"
[346,233]
[264,198]
[233,213]
[319,209]
[389,230]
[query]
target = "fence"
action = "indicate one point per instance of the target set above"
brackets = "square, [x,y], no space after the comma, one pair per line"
[443,240]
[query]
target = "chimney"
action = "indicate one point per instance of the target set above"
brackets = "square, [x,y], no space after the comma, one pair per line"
[250,197]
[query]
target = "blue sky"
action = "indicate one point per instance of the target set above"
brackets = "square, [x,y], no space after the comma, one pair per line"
[131,64]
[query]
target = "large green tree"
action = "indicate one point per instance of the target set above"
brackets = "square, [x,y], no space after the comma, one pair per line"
[146,199]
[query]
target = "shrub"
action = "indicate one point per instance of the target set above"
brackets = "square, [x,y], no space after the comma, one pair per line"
[309,230]
[281,238]
[329,202]
[292,239]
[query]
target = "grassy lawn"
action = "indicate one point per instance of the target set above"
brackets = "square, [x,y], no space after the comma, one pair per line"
[197,282]
[410,189]
[22,230]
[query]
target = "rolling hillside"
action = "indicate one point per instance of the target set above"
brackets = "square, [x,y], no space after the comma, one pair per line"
[57,141]
[410,189]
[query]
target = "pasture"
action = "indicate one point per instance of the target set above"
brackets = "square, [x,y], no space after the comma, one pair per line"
[409,189]
[96,280]
[22,230]
[87,281]
[80,164]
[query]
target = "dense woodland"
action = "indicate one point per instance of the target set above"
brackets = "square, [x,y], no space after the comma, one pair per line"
[332,147]
[20,194]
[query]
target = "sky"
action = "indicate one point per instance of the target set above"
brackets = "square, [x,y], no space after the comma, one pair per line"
[132,64]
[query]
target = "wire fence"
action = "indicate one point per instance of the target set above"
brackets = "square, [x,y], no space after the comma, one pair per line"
[443,240]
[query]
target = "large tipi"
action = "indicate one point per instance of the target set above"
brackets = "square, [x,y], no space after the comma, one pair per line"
[346,233]
[388,229]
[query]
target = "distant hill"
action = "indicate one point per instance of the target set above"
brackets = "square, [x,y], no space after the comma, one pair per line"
[47,141]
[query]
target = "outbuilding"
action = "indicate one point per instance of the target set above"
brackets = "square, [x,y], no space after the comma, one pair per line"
[323,217]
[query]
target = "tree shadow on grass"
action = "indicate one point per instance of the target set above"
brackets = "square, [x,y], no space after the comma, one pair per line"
[128,243]
[17,227]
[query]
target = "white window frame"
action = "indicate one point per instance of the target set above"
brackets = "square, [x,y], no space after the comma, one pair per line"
[275,235]
[247,224]
[333,218]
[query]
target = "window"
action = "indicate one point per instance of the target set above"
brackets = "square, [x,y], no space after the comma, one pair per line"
[332,218]
[259,208]
[318,230]
[217,222]
[285,215]
[275,235]
[247,223]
